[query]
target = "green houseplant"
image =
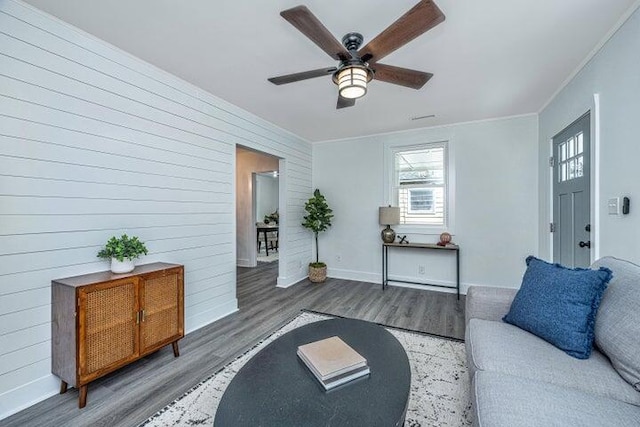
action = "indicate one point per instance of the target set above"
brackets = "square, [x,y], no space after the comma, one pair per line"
[272,217]
[318,219]
[122,251]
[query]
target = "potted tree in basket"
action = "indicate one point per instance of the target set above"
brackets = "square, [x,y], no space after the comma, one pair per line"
[122,251]
[318,219]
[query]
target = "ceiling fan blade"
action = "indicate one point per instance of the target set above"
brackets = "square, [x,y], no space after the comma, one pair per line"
[400,76]
[345,102]
[421,18]
[306,22]
[296,77]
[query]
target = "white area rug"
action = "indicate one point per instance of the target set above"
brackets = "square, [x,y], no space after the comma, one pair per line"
[439,383]
[262,256]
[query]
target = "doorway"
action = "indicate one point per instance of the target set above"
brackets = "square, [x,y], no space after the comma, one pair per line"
[251,164]
[267,215]
[572,194]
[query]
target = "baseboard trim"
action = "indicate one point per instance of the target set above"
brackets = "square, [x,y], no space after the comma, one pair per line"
[14,401]
[201,320]
[17,399]
[463,287]
[244,263]
[362,276]
[286,282]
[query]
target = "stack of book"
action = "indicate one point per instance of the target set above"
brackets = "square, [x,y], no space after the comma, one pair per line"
[333,362]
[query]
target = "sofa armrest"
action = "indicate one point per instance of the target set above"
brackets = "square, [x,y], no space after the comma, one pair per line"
[485,302]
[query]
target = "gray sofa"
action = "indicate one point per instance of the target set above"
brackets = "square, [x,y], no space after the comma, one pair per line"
[519,379]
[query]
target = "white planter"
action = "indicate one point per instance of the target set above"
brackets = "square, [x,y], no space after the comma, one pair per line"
[121,266]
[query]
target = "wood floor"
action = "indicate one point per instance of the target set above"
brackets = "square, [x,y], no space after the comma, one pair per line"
[132,394]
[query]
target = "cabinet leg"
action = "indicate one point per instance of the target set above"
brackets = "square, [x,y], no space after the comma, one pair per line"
[82,399]
[63,387]
[176,350]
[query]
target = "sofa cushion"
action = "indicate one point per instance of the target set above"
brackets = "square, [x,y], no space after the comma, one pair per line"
[504,348]
[504,400]
[618,321]
[559,304]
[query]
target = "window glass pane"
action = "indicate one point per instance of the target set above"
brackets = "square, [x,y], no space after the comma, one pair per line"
[579,166]
[572,168]
[563,151]
[420,200]
[421,166]
[580,144]
[564,173]
[572,147]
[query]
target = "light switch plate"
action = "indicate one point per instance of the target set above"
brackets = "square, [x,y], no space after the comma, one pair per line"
[614,206]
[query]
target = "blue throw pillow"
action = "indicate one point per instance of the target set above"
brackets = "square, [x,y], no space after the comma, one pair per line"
[559,304]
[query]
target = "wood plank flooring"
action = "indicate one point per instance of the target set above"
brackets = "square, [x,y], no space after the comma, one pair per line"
[132,394]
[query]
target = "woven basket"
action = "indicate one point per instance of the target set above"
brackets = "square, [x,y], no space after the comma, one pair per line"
[317,274]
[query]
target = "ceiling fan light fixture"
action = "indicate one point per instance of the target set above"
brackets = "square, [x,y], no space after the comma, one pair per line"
[352,81]
[357,66]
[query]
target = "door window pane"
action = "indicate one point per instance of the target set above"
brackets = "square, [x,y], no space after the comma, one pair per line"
[572,147]
[579,166]
[571,159]
[572,168]
[580,143]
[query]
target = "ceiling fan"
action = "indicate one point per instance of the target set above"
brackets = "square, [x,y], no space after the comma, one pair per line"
[356,67]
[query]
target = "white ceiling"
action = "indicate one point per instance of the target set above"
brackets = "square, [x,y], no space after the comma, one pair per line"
[491,58]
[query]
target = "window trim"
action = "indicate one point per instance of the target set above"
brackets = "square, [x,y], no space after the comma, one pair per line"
[390,196]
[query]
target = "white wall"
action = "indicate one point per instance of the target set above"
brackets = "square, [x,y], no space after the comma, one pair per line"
[94,142]
[496,208]
[266,196]
[247,163]
[614,74]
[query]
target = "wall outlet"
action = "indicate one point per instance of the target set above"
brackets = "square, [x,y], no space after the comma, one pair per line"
[338,258]
[421,269]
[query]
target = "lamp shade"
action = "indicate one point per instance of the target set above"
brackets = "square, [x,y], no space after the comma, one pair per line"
[388,215]
[352,82]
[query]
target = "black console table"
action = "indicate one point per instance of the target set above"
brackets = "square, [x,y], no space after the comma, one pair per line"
[385,262]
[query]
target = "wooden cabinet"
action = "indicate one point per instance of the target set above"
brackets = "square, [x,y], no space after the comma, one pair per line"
[103,321]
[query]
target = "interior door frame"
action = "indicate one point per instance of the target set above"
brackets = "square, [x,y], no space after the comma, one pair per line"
[282,204]
[594,190]
[253,256]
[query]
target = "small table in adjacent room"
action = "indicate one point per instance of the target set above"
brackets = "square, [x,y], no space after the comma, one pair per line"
[275,388]
[419,246]
[265,230]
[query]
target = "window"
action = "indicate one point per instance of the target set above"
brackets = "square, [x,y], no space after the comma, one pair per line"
[570,153]
[420,184]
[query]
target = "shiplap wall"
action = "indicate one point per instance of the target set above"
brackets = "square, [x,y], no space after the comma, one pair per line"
[94,143]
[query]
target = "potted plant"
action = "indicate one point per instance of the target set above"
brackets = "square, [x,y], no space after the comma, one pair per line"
[122,251]
[318,219]
[272,217]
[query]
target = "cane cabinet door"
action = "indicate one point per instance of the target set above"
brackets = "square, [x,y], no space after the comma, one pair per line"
[161,308]
[108,317]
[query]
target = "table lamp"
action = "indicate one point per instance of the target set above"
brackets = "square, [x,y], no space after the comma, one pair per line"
[388,216]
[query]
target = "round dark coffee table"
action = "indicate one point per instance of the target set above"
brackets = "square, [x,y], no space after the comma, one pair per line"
[275,388]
